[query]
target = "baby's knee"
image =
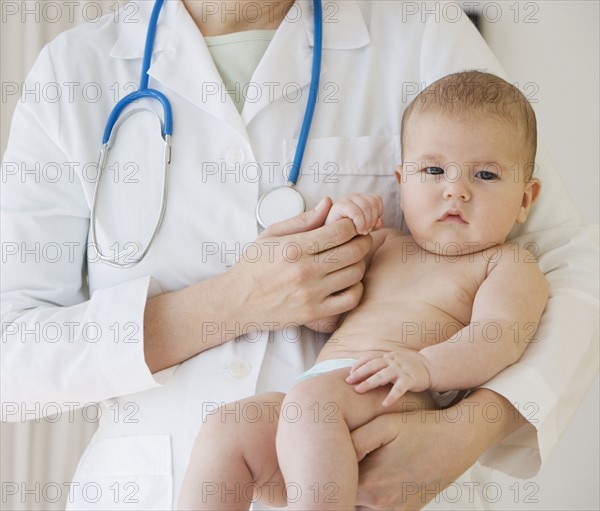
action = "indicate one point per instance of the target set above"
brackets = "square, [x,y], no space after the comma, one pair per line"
[236,418]
[221,425]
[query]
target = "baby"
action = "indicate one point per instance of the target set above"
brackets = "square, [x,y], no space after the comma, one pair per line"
[445,308]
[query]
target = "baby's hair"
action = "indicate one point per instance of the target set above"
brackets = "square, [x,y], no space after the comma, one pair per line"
[475,93]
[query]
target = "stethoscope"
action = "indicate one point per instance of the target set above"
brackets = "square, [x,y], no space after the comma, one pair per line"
[277,204]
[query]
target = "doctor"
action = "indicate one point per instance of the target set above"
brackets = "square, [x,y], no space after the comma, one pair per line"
[211,313]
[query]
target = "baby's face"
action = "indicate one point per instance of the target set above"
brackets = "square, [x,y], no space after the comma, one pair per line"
[462,182]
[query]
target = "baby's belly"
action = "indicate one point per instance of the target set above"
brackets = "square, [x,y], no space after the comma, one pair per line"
[376,327]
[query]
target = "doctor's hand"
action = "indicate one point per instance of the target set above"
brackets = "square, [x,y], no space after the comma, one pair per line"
[407,459]
[299,271]
[296,272]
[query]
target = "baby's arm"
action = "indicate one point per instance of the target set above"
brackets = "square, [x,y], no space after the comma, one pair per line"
[506,312]
[505,315]
[365,211]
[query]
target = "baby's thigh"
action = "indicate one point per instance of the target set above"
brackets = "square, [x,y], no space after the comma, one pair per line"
[327,398]
[249,427]
[259,416]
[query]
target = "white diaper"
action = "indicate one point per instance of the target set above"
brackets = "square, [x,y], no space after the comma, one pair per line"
[326,366]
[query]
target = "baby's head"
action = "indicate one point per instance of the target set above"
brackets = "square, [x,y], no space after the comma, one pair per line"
[468,146]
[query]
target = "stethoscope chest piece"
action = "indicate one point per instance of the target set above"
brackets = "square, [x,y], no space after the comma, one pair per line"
[279,204]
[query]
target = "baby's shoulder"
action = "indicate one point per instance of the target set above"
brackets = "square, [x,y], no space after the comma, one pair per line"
[509,253]
[512,260]
[389,239]
[389,236]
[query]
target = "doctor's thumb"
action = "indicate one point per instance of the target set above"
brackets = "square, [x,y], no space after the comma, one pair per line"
[307,221]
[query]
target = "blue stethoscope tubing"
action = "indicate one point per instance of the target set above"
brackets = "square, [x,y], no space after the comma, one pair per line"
[312,97]
[144,91]
[167,131]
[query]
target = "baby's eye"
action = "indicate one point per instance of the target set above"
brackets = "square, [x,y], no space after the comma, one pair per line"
[434,171]
[486,175]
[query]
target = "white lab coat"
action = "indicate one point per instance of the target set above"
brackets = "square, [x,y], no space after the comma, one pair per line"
[84,339]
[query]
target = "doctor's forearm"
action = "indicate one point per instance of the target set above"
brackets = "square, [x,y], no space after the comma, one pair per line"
[265,293]
[431,448]
[488,418]
[183,323]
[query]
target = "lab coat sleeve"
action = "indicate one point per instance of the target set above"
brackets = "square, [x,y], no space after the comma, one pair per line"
[550,381]
[59,345]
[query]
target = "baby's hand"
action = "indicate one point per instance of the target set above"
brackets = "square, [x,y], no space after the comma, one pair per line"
[405,368]
[364,209]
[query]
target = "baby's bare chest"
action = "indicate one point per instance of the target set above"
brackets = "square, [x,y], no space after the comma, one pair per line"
[402,276]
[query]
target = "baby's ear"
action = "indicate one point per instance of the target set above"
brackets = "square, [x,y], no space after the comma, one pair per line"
[399,174]
[530,195]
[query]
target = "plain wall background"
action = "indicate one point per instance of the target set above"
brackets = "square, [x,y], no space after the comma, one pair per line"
[553,45]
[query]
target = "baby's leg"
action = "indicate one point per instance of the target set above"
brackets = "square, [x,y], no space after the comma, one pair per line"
[314,446]
[234,462]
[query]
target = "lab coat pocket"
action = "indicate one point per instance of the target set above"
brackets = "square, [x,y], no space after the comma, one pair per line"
[129,472]
[338,166]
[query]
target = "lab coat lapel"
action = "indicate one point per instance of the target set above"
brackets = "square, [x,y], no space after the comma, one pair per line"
[287,63]
[183,63]
[187,68]
[130,43]
[181,60]
[284,69]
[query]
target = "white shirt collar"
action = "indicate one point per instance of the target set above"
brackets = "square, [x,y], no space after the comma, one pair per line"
[343,26]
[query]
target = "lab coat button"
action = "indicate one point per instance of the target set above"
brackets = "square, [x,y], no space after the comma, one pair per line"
[239,369]
[235,155]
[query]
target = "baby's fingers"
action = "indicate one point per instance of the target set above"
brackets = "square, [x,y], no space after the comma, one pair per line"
[377,202]
[346,208]
[380,378]
[365,367]
[372,208]
[401,387]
